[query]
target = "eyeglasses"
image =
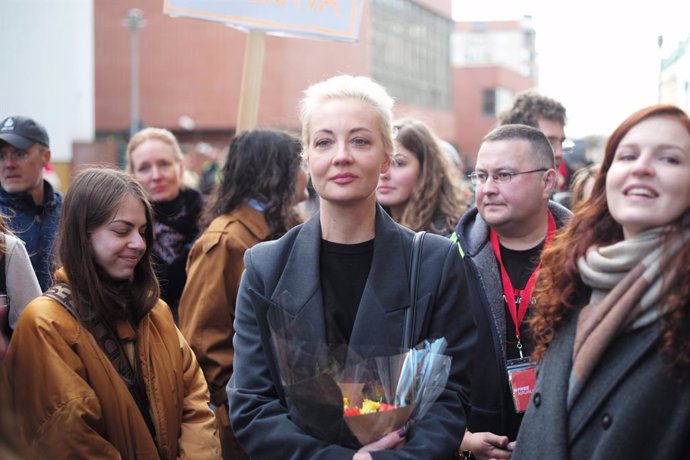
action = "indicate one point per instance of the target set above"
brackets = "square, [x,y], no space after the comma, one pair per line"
[18,155]
[500,178]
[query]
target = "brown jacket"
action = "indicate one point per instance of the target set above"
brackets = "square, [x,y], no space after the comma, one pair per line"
[71,402]
[207,305]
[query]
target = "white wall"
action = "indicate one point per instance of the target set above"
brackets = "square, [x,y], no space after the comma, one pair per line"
[47,68]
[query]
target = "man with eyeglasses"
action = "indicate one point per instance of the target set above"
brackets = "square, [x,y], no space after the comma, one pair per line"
[500,241]
[30,205]
[548,115]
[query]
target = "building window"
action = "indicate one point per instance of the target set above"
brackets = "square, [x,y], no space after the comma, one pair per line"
[489,103]
[411,53]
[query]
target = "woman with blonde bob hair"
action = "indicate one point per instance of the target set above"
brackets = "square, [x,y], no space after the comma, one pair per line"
[96,366]
[611,325]
[421,190]
[154,159]
[342,275]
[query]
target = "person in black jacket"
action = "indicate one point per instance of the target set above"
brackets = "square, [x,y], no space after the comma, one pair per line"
[501,240]
[344,275]
[154,159]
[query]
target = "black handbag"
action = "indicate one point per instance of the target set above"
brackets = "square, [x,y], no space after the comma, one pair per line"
[411,313]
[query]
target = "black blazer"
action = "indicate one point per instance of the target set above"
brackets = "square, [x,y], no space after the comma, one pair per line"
[291,265]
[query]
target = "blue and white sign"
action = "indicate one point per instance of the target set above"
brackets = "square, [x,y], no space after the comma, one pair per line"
[328,19]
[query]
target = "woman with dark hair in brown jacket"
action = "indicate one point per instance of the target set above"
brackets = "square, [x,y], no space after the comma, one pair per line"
[261,181]
[96,366]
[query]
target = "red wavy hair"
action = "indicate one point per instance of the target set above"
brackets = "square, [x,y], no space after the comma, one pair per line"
[559,288]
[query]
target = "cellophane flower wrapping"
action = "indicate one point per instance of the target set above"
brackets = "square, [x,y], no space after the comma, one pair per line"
[338,396]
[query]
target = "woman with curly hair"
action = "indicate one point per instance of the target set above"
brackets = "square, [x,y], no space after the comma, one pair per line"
[612,323]
[261,182]
[421,190]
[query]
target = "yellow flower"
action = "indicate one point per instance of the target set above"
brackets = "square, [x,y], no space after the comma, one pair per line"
[369,406]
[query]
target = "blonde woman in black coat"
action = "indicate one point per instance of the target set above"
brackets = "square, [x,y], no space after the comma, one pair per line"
[346,274]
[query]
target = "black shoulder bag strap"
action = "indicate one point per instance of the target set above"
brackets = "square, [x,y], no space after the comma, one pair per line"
[411,313]
[112,347]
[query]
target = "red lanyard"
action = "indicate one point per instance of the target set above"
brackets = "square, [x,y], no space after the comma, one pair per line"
[526,294]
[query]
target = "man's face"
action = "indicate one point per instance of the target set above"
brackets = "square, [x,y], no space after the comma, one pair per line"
[510,207]
[555,133]
[21,170]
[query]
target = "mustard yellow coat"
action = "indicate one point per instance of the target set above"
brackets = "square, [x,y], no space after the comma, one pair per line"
[70,402]
[207,306]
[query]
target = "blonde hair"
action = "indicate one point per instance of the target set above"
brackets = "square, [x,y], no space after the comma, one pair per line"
[146,134]
[348,87]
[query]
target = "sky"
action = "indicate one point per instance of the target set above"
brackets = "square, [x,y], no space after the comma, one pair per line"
[600,58]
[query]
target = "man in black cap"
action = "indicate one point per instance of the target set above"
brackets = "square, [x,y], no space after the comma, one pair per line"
[30,205]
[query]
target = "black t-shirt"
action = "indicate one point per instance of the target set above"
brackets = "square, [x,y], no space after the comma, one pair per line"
[519,265]
[344,272]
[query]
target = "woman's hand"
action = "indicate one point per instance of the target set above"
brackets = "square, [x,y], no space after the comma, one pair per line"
[487,446]
[392,440]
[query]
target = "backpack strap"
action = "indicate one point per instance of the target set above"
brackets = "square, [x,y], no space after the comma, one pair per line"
[113,349]
[62,294]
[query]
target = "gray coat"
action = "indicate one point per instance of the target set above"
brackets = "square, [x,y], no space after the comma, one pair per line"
[631,406]
[291,264]
[491,404]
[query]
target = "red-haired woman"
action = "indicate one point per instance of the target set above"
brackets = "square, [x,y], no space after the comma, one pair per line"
[612,325]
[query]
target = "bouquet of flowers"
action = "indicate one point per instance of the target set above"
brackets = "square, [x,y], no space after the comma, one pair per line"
[340,396]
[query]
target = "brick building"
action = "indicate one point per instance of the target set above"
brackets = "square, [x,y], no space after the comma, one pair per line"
[492,61]
[191,69]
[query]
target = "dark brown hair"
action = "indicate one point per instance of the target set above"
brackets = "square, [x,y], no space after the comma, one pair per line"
[540,148]
[92,198]
[529,106]
[559,281]
[262,165]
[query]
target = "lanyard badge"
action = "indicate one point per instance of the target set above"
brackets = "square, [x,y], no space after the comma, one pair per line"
[517,312]
[522,378]
[522,374]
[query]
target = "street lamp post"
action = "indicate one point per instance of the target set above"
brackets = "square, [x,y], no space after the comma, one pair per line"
[134,21]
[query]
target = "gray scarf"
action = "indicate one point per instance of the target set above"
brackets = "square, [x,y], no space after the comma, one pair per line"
[627,282]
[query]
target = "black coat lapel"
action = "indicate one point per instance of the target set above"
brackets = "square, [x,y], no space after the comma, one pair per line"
[386,293]
[298,291]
